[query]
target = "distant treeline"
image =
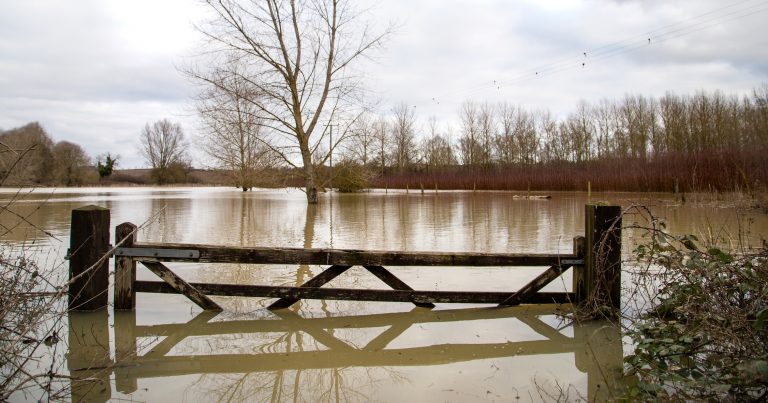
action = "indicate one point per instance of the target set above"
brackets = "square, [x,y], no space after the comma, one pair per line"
[29,157]
[705,141]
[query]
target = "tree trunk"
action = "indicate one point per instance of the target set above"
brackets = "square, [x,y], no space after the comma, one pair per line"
[311,192]
[309,172]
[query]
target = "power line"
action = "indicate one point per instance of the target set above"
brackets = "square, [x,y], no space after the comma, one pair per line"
[663,34]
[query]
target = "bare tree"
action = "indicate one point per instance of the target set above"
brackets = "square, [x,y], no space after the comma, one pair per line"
[556,146]
[579,128]
[756,118]
[638,122]
[487,125]
[436,150]
[526,136]
[403,137]
[469,144]
[233,136]
[25,155]
[361,144]
[69,164]
[298,56]
[381,144]
[604,116]
[164,147]
[505,144]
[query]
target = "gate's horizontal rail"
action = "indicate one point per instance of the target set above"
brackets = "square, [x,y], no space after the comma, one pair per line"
[239,290]
[168,252]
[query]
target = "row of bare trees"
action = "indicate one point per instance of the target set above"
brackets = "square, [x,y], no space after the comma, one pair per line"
[636,127]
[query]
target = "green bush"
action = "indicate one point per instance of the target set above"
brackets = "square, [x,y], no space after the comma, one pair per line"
[706,336]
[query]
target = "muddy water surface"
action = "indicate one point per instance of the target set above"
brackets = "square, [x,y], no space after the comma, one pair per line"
[169,350]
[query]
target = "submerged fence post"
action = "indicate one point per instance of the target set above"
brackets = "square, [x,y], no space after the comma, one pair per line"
[125,268]
[602,257]
[88,263]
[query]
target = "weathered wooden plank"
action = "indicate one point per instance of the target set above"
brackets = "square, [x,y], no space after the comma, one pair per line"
[125,268]
[88,259]
[265,291]
[534,286]
[391,280]
[602,230]
[352,257]
[578,272]
[182,287]
[317,281]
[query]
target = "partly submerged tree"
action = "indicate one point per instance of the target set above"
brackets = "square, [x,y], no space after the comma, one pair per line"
[164,147]
[297,57]
[233,137]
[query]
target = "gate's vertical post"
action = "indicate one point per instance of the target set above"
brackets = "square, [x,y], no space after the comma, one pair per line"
[578,271]
[602,260]
[125,268]
[88,263]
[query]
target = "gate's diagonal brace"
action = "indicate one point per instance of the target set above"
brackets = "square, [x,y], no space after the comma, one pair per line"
[317,281]
[391,280]
[181,286]
[535,285]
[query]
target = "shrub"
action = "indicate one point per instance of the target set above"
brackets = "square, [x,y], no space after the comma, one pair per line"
[706,335]
[349,177]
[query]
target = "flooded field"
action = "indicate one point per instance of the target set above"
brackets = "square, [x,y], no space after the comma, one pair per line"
[170,350]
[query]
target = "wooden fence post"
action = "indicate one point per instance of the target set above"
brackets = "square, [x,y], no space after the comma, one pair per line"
[88,263]
[602,259]
[125,268]
[578,271]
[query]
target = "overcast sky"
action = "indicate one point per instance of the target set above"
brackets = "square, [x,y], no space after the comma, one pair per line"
[95,71]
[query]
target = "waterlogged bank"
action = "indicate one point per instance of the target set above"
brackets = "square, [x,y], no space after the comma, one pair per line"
[349,351]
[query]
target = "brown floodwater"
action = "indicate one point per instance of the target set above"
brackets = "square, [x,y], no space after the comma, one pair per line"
[170,350]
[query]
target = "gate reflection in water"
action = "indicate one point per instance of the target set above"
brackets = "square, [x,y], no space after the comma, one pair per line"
[286,356]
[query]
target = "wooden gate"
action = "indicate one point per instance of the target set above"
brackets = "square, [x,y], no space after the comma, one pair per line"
[595,261]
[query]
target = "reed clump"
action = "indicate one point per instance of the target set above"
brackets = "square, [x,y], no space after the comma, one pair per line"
[721,171]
